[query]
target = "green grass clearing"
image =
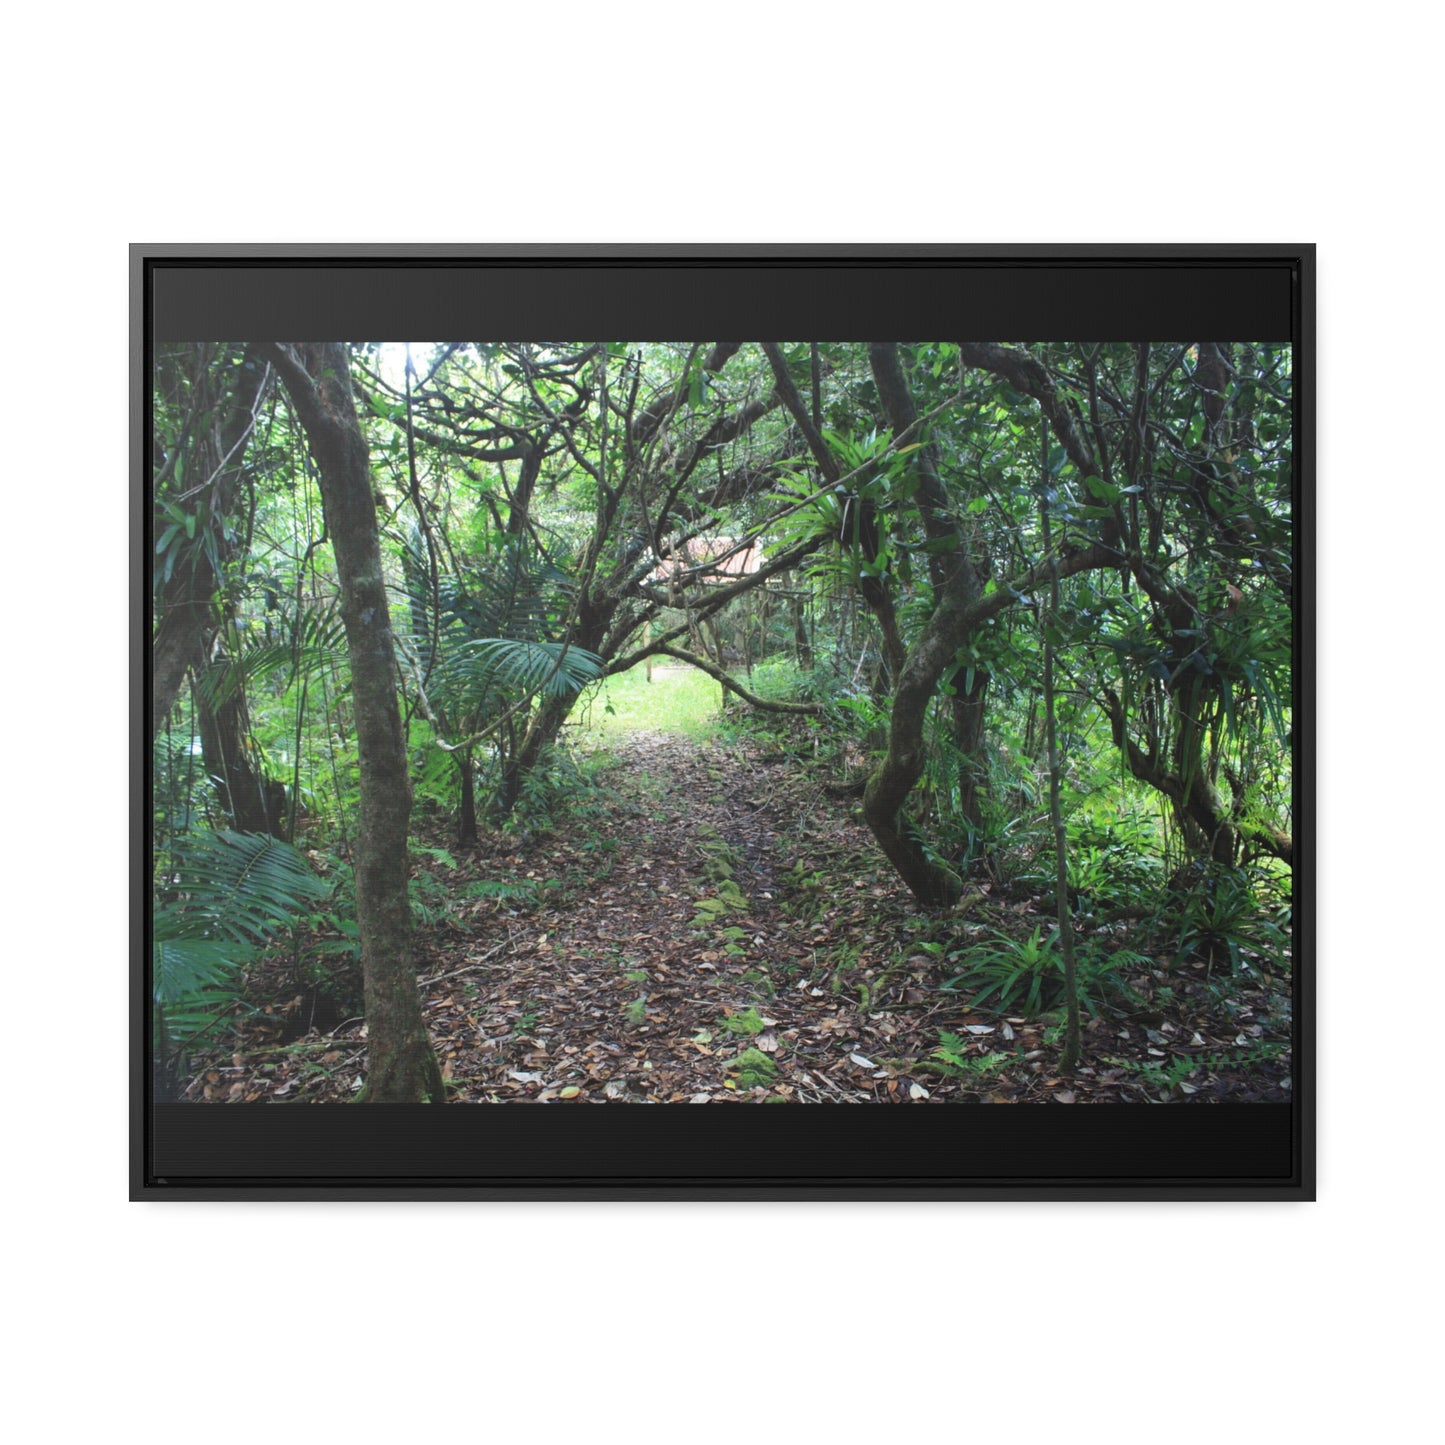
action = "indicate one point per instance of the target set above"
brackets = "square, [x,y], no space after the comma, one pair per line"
[679,699]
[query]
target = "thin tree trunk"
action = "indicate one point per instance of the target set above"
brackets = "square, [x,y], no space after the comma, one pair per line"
[542,730]
[402,1069]
[801,643]
[254,803]
[467,817]
[1069,1059]
[969,712]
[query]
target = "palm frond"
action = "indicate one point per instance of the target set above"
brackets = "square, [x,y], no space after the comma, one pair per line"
[227,893]
[237,886]
[551,668]
[480,638]
[317,641]
[512,595]
[183,967]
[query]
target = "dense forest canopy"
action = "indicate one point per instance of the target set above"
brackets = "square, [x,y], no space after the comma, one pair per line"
[1024,612]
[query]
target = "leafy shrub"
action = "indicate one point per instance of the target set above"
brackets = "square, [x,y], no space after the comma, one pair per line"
[1225,913]
[557,784]
[1027,975]
[1113,865]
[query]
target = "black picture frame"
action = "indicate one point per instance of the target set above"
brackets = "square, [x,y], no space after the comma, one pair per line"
[836,292]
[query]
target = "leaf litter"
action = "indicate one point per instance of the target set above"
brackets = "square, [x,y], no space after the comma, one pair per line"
[717,927]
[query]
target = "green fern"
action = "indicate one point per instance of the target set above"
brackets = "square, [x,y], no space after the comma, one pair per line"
[225,894]
[237,886]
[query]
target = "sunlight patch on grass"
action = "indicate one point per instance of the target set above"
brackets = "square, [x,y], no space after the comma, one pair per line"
[678,700]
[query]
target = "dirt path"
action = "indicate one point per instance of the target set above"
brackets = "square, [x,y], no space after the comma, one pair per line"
[690,969]
[708,925]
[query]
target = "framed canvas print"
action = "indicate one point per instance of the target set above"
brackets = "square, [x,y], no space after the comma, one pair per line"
[774,756]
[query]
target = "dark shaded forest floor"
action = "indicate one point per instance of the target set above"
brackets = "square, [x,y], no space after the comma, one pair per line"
[710,925]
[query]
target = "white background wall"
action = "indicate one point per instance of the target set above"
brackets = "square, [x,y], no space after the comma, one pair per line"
[1110,122]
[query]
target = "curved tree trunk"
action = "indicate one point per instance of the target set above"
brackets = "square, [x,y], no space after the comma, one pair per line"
[402,1069]
[1204,816]
[960,608]
[969,713]
[254,803]
[969,708]
[888,789]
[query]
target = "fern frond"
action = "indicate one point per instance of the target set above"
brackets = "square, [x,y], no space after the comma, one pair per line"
[238,886]
[186,967]
[317,642]
[552,668]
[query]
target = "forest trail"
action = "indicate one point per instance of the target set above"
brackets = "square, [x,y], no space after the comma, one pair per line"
[691,968]
[707,923]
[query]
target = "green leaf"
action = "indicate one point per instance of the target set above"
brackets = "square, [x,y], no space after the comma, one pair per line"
[1105,491]
[550,667]
[243,887]
[185,966]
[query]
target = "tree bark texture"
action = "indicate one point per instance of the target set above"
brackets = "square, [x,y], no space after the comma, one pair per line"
[211,438]
[960,609]
[254,803]
[402,1069]
[933,884]
[970,711]
[969,708]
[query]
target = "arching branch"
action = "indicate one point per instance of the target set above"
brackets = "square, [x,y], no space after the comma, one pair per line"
[806,709]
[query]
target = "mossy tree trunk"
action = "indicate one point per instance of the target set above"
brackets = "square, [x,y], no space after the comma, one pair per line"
[210,399]
[253,802]
[933,884]
[402,1068]
[961,608]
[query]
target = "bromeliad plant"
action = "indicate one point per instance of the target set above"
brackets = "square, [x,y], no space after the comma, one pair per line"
[1026,976]
[1224,916]
[1023,974]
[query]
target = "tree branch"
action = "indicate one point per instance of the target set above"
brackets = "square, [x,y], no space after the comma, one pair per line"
[807,709]
[1026,374]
